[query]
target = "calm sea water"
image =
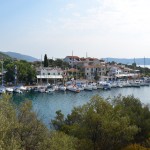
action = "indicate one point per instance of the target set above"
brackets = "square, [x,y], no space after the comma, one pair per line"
[147,66]
[46,104]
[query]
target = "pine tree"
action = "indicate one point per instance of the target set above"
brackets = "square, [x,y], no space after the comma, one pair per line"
[45,61]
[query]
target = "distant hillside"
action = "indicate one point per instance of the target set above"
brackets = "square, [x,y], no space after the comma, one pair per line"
[139,61]
[20,56]
[4,56]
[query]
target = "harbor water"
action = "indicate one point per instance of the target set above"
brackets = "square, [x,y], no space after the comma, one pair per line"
[46,104]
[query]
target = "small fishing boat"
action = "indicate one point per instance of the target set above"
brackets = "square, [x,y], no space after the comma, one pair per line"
[62,88]
[41,89]
[17,90]
[88,87]
[73,88]
[135,83]
[49,90]
[106,86]
[9,90]
[94,86]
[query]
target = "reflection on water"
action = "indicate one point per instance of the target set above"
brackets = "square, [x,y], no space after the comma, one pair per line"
[46,104]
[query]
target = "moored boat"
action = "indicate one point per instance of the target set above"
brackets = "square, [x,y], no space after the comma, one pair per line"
[73,88]
[17,90]
[88,87]
[9,90]
[135,83]
[62,88]
[50,90]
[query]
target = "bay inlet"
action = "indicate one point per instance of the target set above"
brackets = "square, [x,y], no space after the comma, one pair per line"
[46,104]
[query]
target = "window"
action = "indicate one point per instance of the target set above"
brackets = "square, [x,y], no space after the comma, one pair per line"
[49,74]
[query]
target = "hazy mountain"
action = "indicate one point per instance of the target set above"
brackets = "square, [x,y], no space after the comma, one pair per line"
[4,56]
[20,56]
[138,61]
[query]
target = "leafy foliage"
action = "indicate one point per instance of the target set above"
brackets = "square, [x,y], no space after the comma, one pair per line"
[97,125]
[20,129]
[58,63]
[100,123]
[139,115]
[25,72]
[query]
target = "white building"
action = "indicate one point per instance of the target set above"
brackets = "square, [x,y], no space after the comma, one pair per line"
[46,74]
[115,70]
[72,60]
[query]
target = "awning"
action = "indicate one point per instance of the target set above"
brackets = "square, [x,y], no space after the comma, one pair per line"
[49,76]
[126,75]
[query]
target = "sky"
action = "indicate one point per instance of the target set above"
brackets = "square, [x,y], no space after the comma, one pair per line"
[98,28]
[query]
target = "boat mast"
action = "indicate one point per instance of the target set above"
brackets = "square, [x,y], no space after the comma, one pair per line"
[72,63]
[144,65]
[41,72]
[134,68]
[2,72]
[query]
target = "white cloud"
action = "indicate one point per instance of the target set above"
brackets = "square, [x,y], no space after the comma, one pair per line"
[70,6]
[76,14]
[114,15]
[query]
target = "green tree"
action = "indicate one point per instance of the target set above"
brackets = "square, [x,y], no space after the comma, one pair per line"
[20,129]
[99,123]
[8,125]
[139,115]
[61,141]
[31,132]
[26,73]
[45,61]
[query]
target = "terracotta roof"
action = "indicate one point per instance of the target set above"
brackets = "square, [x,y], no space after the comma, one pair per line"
[82,59]
[88,58]
[73,57]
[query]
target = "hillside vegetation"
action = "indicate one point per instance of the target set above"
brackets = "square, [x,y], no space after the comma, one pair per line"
[123,124]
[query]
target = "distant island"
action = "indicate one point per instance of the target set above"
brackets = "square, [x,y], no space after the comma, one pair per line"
[138,61]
